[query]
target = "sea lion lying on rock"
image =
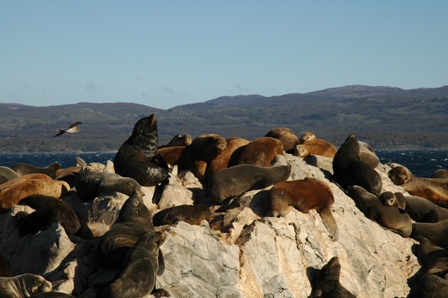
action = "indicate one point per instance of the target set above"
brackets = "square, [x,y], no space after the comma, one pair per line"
[436,232]
[192,214]
[24,169]
[258,152]
[287,136]
[315,147]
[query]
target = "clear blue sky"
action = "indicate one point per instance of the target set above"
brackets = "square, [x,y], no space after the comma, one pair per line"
[168,53]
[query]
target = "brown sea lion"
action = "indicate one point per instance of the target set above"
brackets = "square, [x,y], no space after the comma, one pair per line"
[137,157]
[259,152]
[307,136]
[315,147]
[287,136]
[13,191]
[433,189]
[419,209]
[137,276]
[23,169]
[24,285]
[327,281]
[192,214]
[236,180]
[367,155]
[304,195]
[182,139]
[440,173]
[171,154]
[348,169]
[134,220]
[7,174]
[434,231]
[222,160]
[392,218]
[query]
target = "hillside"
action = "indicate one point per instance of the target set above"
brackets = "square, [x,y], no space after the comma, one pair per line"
[385,117]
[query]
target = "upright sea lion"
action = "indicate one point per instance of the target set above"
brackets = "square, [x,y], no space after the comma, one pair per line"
[236,180]
[24,285]
[434,231]
[419,209]
[134,220]
[192,214]
[222,160]
[392,218]
[259,152]
[287,136]
[348,169]
[23,169]
[315,147]
[137,276]
[304,195]
[433,189]
[136,157]
[327,281]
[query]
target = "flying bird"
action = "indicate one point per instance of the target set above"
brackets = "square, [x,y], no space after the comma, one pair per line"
[71,129]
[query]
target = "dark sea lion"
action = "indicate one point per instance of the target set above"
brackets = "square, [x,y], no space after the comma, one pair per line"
[222,160]
[432,286]
[391,217]
[419,209]
[236,180]
[90,184]
[192,214]
[367,155]
[48,210]
[258,152]
[434,258]
[5,270]
[23,169]
[134,220]
[348,169]
[436,232]
[7,174]
[137,157]
[433,189]
[287,136]
[137,276]
[440,173]
[315,147]
[327,281]
[24,285]
[182,139]
[304,195]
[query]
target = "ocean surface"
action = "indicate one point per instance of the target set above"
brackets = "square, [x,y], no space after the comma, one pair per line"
[421,163]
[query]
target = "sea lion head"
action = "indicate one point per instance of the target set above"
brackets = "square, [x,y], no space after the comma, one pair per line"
[399,175]
[307,136]
[302,150]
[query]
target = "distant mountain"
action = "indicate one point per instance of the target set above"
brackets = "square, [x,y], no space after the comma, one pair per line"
[385,117]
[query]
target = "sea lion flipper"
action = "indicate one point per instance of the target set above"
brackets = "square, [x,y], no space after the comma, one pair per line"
[329,222]
[161,268]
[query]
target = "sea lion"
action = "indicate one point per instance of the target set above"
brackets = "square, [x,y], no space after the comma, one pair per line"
[134,220]
[137,276]
[434,231]
[307,136]
[419,209]
[392,218]
[137,159]
[315,147]
[236,180]
[24,285]
[53,295]
[287,136]
[7,174]
[327,281]
[13,191]
[259,152]
[192,214]
[434,258]
[182,139]
[440,173]
[222,160]
[171,154]
[304,195]
[5,270]
[348,169]
[23,169]
[90,184]
[48,210]
[431,286]
[433,189]
[367,155]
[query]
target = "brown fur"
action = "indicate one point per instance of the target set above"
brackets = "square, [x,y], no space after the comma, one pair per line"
[434,258]
[192,214]
[304,195]
[315,147]
[433,189]
[24,169]
[171,154]
[367,155]
[259,152]
[440,173]
[288,138]
[182,139]
[307,136]
[222,160]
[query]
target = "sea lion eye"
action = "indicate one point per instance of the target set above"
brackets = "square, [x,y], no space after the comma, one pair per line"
[136,212]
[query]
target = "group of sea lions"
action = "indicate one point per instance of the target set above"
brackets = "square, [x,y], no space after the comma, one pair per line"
[228,168]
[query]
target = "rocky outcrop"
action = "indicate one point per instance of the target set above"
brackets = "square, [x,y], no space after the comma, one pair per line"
[237,253]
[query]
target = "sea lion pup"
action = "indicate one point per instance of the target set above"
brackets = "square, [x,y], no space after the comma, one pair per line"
[24,285]
[392,218]
[183,139]
[433,189]
[236,180]
[440,173]
[23,169]
[288,138]
[307,136]
[327,281]
[304,195]
[48,210]
[134,220]
[137,157]
[192,214]
[367,155]
[222,160]
[137,276]
[419,209]
[258,152]
[434,231]
[90,184]
[348,169]
[7,174]
[315,147]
